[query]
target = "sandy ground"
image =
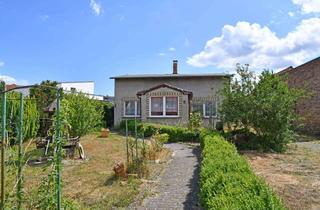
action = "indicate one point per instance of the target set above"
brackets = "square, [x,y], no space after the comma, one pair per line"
[294,175]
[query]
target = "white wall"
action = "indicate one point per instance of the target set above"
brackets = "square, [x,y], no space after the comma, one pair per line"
[85,87]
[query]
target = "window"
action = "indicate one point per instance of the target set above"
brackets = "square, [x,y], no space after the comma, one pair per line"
[164,106]
[131,108]
[210,109]
[207,109]
[197,108]
[172,106]
[156,106]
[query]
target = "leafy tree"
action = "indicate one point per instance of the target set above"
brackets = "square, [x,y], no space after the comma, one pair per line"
[264,106]
[44,94]
[81,113]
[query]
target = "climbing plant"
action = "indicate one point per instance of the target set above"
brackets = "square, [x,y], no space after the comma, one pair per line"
[30,117]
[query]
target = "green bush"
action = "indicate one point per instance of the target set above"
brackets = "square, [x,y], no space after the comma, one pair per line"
[226,180]
[264,106]
[176,134]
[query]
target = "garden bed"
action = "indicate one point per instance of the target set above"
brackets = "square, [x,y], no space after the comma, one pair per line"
[294,175]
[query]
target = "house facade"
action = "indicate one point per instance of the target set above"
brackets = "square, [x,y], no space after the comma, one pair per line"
[168,98]
[306,77]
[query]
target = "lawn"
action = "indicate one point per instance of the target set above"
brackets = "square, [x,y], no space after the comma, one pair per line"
[91,182]
[294,175]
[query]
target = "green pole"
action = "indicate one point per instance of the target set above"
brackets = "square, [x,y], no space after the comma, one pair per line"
[20,178]
[3,142]
[127,146]
[136,136]
[58,155]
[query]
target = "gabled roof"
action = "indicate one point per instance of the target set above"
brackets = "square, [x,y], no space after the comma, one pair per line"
[143,92]
[137,76]
[290,68]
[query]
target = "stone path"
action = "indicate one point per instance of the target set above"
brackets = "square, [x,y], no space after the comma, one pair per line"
[178,187]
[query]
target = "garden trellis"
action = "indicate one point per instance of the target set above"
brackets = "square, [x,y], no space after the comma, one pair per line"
[20,135]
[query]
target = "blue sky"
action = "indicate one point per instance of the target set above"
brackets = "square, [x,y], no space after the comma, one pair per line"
[70,40]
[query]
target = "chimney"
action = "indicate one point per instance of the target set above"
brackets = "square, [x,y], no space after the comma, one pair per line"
[175,67]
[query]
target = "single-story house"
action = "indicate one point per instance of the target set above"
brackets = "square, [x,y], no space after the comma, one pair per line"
[168,98]
[307,77]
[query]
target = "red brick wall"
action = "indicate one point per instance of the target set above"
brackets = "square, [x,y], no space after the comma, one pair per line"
[307,76]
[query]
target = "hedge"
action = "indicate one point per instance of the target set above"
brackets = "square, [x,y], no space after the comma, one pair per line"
[176,133]
[227,181]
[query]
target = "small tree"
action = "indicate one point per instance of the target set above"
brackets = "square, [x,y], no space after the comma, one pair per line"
[264,106]
[81,113]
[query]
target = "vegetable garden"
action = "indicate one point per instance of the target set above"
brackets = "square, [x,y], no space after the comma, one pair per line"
[70,115]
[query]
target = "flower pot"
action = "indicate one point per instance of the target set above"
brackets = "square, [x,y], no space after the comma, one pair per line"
[105,132]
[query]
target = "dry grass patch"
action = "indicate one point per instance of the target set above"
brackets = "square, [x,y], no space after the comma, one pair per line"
[294,175]
[91,182]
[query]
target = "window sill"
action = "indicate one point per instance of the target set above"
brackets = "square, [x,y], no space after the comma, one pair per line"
[163,117]
[208,117]
[132,116]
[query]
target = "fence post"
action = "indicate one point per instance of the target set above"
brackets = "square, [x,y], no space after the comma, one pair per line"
[20,134]
[58,155]
[3,142]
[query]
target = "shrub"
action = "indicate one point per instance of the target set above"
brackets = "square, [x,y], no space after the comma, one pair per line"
[131,126]
[160,139]
[195,120]
[264,106]
[149,129]
[81,113]
[226,180]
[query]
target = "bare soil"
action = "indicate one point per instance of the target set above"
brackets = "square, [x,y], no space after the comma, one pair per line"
[294,175]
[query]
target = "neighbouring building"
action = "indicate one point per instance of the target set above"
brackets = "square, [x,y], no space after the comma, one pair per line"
[307,77]
[86,87]
[168,98]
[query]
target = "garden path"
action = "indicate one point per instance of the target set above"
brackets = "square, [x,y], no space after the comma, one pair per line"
[178,187]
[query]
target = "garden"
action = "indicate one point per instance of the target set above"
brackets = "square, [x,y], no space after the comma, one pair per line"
[55,155]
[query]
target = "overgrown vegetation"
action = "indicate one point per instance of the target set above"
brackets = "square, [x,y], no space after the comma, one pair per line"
[30,117]
[226,180]
[81,114]
[263,107]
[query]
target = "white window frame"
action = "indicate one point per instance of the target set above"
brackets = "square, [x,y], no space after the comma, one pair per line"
[204,110]
[163,108]
[135,109]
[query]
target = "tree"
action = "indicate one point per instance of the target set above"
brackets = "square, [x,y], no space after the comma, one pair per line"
[264,106]
[81,113]
[44,94]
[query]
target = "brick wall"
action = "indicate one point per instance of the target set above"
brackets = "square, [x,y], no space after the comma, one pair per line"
[307,77]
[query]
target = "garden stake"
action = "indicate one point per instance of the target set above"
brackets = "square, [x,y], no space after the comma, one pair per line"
[136,136]
[3,142]
[20,134]
[127,147]
[58,158]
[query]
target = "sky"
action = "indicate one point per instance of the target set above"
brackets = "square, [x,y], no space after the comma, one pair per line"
[77,40]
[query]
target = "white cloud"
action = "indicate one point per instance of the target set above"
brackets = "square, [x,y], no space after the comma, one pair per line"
[96,7]
[260,47]
[172,49]
[122,17]
[291,14]
[186,42]
[8,79]
[1,64]
[162,54]
[44,17]
[308,6]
